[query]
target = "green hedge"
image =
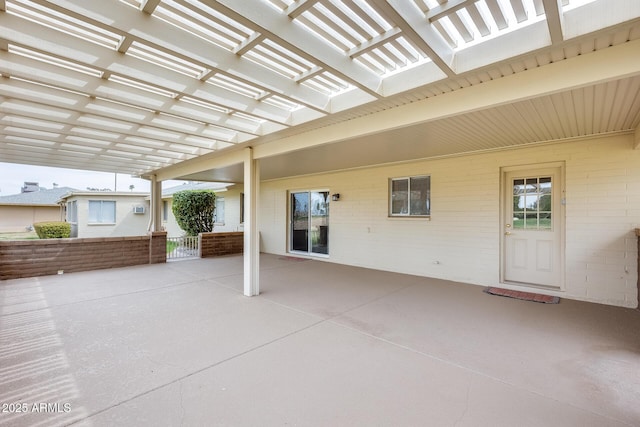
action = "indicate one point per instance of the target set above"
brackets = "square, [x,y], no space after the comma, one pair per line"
[52,229]
[194,210]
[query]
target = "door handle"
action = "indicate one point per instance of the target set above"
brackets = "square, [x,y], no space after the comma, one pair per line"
[507,233]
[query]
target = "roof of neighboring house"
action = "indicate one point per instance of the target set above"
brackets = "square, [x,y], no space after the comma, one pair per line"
[215,186]
[106,194]
[43,197]
[166,193]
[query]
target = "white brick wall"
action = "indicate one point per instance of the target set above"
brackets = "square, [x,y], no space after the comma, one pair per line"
[602,211]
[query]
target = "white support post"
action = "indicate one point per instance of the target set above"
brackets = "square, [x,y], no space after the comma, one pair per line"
[636,138]
[251,230]
[155,204]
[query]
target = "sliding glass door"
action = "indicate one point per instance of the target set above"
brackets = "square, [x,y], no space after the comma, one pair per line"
[310,222]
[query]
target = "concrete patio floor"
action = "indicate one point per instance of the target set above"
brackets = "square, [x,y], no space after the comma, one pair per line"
[323,345]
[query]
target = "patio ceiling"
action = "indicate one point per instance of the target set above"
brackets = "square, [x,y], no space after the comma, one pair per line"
[138,86]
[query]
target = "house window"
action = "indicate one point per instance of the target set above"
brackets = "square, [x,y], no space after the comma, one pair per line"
[165,210]
[218,216]
[102,212]
[72,212]
[410,196]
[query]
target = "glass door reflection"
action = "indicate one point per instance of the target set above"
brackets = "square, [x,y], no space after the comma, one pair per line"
[310,222]
[300,222]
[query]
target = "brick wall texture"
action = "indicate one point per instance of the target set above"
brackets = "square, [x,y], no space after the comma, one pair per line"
[217,244]
[157,247]
[29,258]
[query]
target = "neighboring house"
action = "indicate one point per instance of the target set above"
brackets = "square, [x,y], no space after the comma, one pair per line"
[228,207]
[113,214]
[106,214]
[18,212]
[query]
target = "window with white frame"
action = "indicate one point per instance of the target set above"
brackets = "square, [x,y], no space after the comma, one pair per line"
[165,210]
[72,211]
[410,196]
[218,216]
[102,212]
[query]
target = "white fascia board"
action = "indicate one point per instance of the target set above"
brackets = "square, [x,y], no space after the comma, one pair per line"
[605,65]
[200,164]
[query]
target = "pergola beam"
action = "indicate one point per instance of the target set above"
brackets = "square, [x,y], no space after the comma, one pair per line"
[79,104]
[447,9]
[105,136]
[47,74]
[29,156]
[24,33]
[250,43]
[148,6]
[260,17]
[375,42]
[298,8]
[116,17]
[412,22]
[552,10]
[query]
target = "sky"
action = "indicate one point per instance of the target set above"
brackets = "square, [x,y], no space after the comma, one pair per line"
[13,177]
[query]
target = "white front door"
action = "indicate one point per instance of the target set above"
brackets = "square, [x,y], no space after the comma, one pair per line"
[533,222]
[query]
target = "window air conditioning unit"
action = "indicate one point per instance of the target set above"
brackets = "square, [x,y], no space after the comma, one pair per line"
[138,209]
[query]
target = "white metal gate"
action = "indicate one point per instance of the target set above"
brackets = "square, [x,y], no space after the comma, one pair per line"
[182,247]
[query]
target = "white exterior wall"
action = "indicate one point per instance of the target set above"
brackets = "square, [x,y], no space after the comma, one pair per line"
[127,223]
[170,225]
[464,233]
[18,218]
[232,219]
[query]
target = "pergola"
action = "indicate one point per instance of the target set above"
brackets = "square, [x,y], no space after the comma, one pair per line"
[240,91]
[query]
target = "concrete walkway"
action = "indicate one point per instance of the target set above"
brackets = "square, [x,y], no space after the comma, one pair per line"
[324,345]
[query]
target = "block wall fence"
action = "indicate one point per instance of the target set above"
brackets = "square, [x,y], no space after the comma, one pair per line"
[31,258]
[218,244]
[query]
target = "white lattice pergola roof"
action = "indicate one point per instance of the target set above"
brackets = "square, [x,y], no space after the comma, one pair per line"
[135,86]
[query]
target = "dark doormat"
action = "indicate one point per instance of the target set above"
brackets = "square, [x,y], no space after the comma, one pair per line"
[526,296]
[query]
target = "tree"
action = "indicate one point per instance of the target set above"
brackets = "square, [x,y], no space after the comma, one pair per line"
[194,210]
[131,187]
